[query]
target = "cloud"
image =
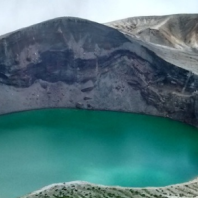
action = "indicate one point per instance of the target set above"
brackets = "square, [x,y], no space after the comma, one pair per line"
[17,14]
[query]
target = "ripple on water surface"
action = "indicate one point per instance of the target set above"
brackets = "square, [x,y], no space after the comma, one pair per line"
[38,148]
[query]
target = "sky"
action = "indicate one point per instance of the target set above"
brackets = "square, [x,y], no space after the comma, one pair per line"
[16,14]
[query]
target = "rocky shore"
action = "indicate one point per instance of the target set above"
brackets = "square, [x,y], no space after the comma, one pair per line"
[88,190]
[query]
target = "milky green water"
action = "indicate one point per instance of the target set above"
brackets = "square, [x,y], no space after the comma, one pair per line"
[38,148]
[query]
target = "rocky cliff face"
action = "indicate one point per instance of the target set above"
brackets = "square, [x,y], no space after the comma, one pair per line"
[75,63]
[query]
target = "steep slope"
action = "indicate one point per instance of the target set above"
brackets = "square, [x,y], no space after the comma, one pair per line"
[75,63]
[177,31]
[174,38]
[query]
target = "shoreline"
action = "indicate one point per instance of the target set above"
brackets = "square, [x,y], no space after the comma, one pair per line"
[81,188]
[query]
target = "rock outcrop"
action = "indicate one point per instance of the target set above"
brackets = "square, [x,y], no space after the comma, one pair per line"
[75,63]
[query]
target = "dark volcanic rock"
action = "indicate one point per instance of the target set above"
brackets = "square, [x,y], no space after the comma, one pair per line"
[88,86]
[75,63]
[54,51]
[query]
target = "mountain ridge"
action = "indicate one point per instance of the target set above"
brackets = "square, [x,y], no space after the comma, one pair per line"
[177,31]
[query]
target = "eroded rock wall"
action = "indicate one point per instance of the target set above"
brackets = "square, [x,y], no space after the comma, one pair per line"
[74,63]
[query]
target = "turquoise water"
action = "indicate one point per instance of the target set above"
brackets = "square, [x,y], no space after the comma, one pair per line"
[38,148]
